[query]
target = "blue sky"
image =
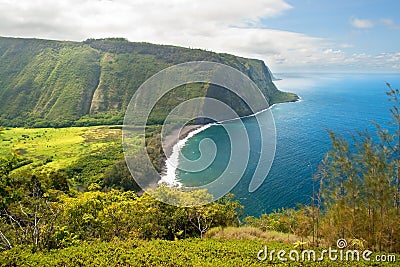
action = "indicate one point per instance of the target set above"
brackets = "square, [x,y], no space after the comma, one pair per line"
[289,35]
[333,20]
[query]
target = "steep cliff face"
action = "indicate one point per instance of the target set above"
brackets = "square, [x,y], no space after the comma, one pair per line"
[58,83]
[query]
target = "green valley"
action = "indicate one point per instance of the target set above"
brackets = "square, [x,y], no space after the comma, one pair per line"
[84,153]
[47,83]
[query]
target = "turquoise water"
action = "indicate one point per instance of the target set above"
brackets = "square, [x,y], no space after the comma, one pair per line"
[344,103]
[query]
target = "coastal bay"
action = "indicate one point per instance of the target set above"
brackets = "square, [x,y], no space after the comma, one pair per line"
[327,102]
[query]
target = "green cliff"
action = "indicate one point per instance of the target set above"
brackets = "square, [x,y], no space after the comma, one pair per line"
[62,83]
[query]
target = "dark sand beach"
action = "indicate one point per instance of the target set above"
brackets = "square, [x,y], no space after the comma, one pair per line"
[173,138]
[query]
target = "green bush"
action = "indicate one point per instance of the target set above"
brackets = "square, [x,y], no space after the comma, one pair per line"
[188,252]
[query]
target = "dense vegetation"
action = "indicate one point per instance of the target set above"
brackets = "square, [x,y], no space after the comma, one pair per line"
[46,223]
[86,155]
[42,211]
[188,252]
[60,84]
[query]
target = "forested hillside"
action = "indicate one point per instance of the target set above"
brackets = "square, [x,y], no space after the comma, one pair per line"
[61,83]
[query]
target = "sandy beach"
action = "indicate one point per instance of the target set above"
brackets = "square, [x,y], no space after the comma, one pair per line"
[170,140]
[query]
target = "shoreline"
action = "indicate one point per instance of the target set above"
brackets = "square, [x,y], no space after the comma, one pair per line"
[174,142]
[172,145]
[175,136]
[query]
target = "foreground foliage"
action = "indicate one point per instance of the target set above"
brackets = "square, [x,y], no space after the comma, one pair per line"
[40,210]
[360,186]
[188,252]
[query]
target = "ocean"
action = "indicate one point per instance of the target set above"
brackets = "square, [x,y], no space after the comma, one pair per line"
[344,103]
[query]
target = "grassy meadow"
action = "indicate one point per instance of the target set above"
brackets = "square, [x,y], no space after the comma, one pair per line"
[84,153]
[56,148]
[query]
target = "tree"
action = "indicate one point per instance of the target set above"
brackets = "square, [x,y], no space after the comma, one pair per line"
[59,181]
[119,176]
[26,217]
[360,186]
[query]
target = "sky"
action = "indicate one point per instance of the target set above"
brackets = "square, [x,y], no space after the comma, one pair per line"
[289,35]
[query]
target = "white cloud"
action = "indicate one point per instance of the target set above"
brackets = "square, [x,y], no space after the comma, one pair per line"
[390,23]
[222,26]
[77,19]
[346,45]
[362,23]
